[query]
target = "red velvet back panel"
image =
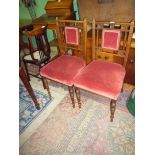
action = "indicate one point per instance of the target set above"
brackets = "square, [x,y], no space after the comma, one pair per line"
[110,39]
[71,35]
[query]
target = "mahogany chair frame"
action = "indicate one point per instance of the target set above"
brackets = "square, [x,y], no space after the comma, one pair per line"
[82,33]
[76,50]
[126,31]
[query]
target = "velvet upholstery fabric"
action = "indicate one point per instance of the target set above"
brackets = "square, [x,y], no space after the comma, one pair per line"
[63,69]
[71,35]
[110,39]
[102,78]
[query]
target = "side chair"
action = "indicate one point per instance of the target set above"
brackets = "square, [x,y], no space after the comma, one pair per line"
[39,49]
[104,75]
[72,35]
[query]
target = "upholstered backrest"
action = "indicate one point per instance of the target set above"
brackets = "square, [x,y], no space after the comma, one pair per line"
[111,40]
[72,36]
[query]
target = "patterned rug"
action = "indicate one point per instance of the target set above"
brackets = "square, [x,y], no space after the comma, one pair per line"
[27,109]
[88,131]
[30,118]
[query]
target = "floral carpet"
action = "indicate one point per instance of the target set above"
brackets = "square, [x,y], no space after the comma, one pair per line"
[29,117]
[27,109]
[68,131]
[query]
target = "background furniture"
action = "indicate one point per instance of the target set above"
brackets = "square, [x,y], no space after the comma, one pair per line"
[60,8]
[114,10]
[102,76]
[72,36]
[39,49]
[55,10]
[22,44]
[130,66]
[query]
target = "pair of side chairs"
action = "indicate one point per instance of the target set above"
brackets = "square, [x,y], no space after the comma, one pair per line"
[99,76]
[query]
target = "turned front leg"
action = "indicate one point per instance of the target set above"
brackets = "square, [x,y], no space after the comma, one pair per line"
[47,87]
[77,91]
[71,92]
[112,109]
[44,85]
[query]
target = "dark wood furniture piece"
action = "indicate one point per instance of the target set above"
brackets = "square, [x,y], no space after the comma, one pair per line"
[22,44]
[55,10]
[130,66]
[61,8]
[72,35]
[110,42]
[39,49]
[25,81]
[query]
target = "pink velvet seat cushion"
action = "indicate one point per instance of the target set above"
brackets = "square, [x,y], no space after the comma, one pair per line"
[103,78]
[63,69]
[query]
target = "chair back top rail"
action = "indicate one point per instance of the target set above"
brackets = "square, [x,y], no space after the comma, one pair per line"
[72,35]
[125,30]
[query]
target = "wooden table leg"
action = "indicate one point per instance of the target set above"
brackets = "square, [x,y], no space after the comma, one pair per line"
[28,87]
